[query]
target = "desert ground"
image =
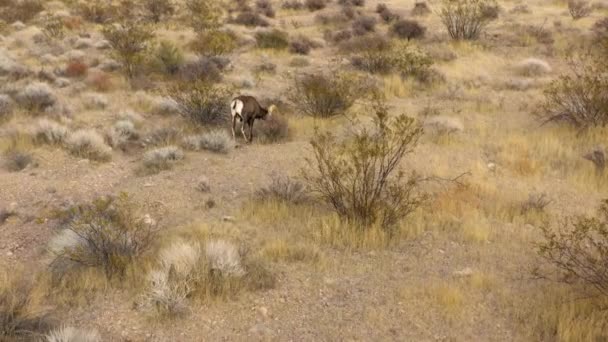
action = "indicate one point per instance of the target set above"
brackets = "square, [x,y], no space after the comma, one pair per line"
[225,240]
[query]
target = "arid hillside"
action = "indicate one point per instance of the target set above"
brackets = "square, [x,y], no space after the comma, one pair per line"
[433,170]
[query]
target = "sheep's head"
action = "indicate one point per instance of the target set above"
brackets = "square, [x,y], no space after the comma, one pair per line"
[270,110]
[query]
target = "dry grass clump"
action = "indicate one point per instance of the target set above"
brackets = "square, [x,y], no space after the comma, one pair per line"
[274,39]
[72,334]
[250,19]
[96,12]
[408,29]
[292,5]
[533,67]
[600,30]
[100,81]
[283,189]
[201,102]
[443,125]
[386,14]
[204,69]
[121,133]
[162,158]
[218,141]
[358,3]
[6,107]
[273,129]
[265,7]
[108,234]
[326,95]
[421,8]
[215,42]
[76,68]
[49,132]
[169,58]
[95,101]
[578,251]
[301,45]
[36,96]
[191,271]
[579,9]
[359,177]
[315,5]
[22,316]
[467,19]
[17,154]
[536,203]
[87,143]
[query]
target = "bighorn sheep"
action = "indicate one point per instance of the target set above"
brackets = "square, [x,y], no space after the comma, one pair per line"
[247,109]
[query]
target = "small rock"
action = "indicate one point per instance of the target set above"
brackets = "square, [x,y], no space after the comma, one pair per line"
[9,254]
[263,311]
[203,184]
[18,25]
[492,167]
[83,43]
[228,219]
[466,272]
[102,45]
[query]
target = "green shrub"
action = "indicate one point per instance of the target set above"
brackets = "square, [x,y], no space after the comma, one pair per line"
[169,57]
[201,102]
[275,39]
[360,177]
[214,43]
[203,14]
[130,42]
[580,98]
[579,250]
[325,95]
[467,19]
[109,233]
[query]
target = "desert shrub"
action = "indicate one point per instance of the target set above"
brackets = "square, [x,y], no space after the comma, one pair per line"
[284,189]
[578,250]
[535,203]
[96,11]
[386,14]
[121,133]
[205,69]
[36,96]
[405,59]
[71,334]
[163,136]
[580,98]
[49,132]
[250,19]
[579,9]
[130,43]
[53,27]
[533,67]
[189,270]
[162,158]
[408,29]
[421,8]
[360,177]
[265,7]
[338,36]
[22,318]
[6,107]
[292,5]
[201,102]
[214,42]
[315,5]
[156,10]
[301,45]
[203,14]
[363,25]
[600,30]
[95,101]
[16,160]
[358,3]
[21,10]
[76,68]
[467,19]
[369,42]
[100,81]
[274,39]
[88,144]
[324,95]
[218,141]
[108,234]
[272,130]
[169,57]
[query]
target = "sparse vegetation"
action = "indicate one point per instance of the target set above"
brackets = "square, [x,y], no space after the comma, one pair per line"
[364,25]
[130,42]
[283,189]
[87,143]
[162,158]
[37,96]
[314,5]
[201,102]
[360,177]
[20,10]
[49,132]
[579,9]
[218,141]
[169,57]
[158,9]
[273,129]
[274,39]
[408,29]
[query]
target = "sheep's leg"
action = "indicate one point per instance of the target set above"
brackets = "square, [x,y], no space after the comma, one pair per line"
[251,131]
[233,127]
[243,131]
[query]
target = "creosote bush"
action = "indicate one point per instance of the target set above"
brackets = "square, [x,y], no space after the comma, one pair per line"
[408,29]
[201,102]
[467,19]
[214,43]
[169,57]
[130,42]
[203,14]
[579,9]
[579,250]
[326,95]
[156,10]
[364,25]
[108,234]
[581,97]
[274,39]
[360,177]
[284,189]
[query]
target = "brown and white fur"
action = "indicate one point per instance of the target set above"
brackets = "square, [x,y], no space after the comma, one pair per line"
[247,109]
